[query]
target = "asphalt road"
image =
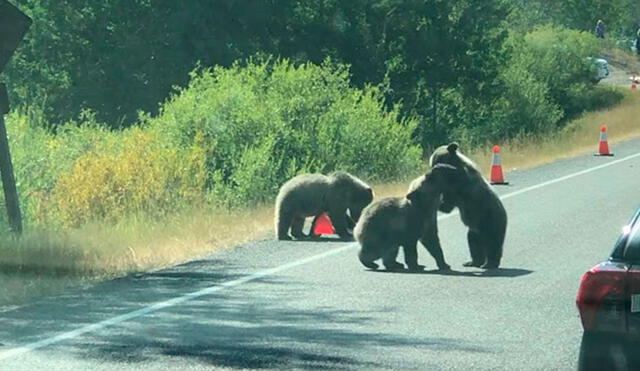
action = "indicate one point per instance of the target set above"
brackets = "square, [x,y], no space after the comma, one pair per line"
[300,305]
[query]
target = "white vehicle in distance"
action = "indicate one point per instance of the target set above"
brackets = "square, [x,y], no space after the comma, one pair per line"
[600,68]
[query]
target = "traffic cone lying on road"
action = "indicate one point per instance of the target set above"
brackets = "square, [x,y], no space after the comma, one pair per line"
[603,148]
[496,167]
[323,225]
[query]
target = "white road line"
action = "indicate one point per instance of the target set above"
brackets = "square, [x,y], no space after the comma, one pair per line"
[166,304]
[252,277]
[573,175]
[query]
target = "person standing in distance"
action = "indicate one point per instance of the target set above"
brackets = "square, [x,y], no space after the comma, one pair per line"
[600,28]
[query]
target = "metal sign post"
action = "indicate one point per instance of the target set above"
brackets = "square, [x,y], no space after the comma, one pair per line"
[6,168]
[13,26]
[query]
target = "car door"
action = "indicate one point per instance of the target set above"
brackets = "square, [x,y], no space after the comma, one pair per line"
[632,256]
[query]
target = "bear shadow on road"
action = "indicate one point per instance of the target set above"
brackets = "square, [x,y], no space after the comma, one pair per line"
[500,272]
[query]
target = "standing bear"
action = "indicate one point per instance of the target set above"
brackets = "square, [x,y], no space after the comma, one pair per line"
[392,222]
[313,194]
[480,208]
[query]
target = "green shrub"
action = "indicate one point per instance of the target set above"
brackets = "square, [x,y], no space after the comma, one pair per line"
[133,172]
[268,121]
[546,82]
[40,157]
[558,58]
[232,136]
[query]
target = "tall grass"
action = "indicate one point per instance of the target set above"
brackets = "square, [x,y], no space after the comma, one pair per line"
[578,136]
[48,261]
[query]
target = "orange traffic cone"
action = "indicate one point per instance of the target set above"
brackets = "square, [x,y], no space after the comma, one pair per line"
[496,167]
[323,225]
[603,148]
[633,85]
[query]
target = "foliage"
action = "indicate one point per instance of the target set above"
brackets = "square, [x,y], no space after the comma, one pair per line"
[620,16]
[120,56]
[40,158]
[279,88]
[267,121]
[559,58]
[133,172]
[546,82]
[232,136]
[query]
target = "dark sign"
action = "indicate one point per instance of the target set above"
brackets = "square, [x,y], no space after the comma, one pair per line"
[4,99]
[13,25]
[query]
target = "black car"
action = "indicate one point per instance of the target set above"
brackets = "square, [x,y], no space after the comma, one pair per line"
[609,304]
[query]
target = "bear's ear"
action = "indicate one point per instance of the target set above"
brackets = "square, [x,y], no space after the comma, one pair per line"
[452,147]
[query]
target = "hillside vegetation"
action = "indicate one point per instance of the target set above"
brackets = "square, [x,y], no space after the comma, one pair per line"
[135,123]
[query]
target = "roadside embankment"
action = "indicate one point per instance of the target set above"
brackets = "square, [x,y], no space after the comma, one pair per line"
[45,262]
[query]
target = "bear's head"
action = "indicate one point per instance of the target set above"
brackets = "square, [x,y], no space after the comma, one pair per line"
[441,178]
[449,154]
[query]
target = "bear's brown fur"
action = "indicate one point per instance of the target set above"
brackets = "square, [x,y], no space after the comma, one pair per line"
[313,194]
[392,222]
[480,208]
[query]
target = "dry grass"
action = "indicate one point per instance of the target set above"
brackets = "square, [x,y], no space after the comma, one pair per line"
[623,60]
[580,136]
[52,261]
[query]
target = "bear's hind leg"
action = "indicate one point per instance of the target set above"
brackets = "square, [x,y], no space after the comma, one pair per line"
[282,225]
[476,249]
[367,256]
[493,248]
[296,228]
[311,234]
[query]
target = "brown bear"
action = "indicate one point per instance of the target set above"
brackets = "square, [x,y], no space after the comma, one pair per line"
[392,222]
[313,194]
[480,208]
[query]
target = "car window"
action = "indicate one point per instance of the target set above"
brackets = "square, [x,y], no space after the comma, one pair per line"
[632,250]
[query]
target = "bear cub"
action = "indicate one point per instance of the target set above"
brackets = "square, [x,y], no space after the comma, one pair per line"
[392,222]
[313,194]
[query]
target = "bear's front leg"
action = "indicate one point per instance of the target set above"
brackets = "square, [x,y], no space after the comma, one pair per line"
[431,242]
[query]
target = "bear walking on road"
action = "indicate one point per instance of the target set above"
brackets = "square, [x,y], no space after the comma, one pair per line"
[313,194]
[480,208]
[392,222]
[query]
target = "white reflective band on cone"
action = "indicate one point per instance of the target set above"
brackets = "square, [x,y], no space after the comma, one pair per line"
[496,160]
[603,136]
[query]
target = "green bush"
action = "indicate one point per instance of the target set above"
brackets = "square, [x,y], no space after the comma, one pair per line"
[558,58]
[268,121]
[546,82]
[40,157]
[232,136]
[133,172]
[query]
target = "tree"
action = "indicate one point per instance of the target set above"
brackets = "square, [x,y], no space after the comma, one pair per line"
[435,45]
